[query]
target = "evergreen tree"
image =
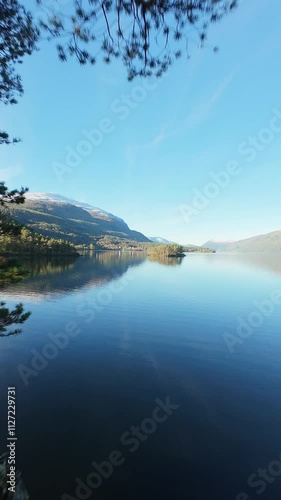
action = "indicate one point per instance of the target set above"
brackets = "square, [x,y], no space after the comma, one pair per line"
[8,318]
[18,36]
[14,196]
[147,35]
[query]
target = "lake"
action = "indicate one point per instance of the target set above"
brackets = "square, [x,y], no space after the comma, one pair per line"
[141,379]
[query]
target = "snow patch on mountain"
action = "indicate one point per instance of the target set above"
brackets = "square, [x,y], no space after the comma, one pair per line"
[57,198]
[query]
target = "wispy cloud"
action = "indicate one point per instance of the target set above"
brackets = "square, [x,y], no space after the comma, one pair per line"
[198,114]
[158,138]
[202,111]
[10,172]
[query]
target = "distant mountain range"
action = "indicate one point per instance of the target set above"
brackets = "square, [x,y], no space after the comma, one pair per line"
[219,246]
[270,242]
[158,239]
[59,217]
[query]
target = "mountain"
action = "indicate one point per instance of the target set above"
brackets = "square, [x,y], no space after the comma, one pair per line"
[270,242]
[59,217]
[158,239]
[219,246]
[186,248]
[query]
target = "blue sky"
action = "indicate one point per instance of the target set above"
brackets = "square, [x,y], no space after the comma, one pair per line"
[152,154]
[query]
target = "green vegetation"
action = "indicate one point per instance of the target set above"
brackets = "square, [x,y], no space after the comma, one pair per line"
[196,249]
[17,239]
[173,250]
[8,226]
[48,265]
[15,196]
[81,226]
[146,36]
[164,261]
[8,318]
[115,243]
[170,250]
[11,271]
[29,242]
[124,244]
[18,36]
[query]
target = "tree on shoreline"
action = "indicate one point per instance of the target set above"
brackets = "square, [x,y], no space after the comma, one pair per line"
[8,227]
[166,250]
[18,37]
[14,196]
[147,35]
[139,32]
[8,318]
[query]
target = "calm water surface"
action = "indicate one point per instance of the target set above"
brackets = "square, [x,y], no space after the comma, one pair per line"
[144,331]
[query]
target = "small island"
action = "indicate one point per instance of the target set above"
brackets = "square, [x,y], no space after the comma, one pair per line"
[169,250]
[173,250]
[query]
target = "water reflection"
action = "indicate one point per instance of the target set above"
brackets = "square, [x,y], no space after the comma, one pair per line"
[163,335]
[61,275]
[165,261]
[51,265]
[267,261]
[65,274]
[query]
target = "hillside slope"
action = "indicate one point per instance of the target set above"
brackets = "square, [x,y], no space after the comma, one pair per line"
[219,246]
[270,242]
[59,217]
[158,239]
